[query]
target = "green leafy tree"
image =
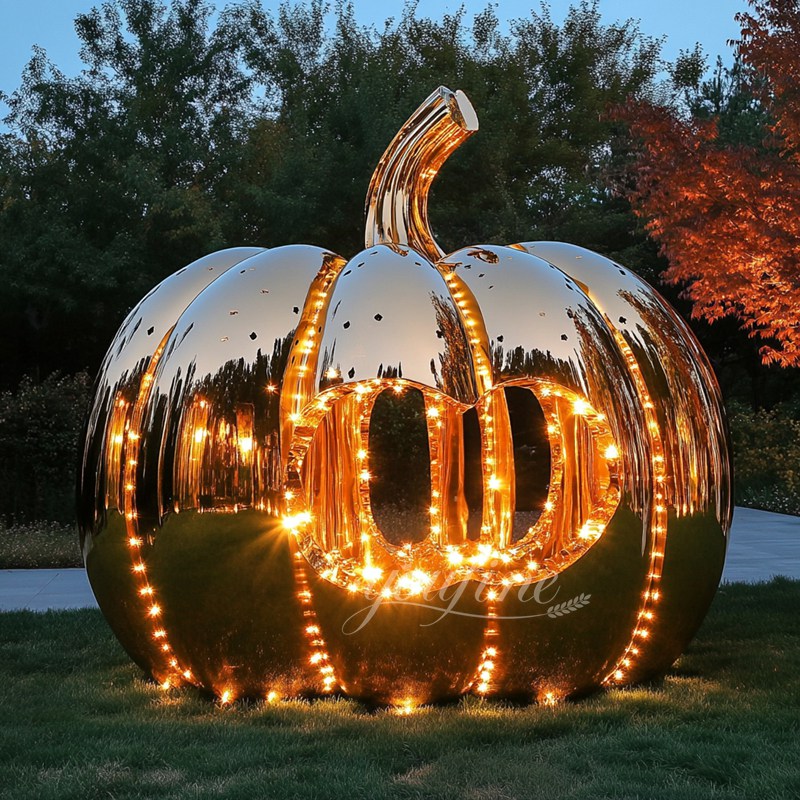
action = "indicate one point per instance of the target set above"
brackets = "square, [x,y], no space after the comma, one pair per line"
[107,179]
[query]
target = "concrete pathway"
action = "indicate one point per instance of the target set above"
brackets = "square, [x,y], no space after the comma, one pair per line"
[762,545]
[42,589]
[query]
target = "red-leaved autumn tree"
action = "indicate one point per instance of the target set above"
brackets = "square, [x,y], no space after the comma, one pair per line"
[727,214]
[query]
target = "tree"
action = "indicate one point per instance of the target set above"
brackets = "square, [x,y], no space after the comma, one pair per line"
[186,133]
[106,179]
[720,189]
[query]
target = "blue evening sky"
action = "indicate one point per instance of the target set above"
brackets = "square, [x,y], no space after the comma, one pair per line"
[49,23]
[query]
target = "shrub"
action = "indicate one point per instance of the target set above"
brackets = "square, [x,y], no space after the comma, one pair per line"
[39,428]
[766,451]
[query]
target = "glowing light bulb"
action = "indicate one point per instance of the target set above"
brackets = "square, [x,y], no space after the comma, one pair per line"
[612,453]
[494,482]
[433,412]
[371,573]
[405,708]
[580,406]
[294,522]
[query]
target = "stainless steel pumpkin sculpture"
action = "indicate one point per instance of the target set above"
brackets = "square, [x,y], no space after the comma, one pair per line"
[224,498]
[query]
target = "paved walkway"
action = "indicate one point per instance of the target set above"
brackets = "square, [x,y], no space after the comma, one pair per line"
[762,545]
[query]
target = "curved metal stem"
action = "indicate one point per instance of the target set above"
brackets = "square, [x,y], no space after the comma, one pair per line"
[397,199]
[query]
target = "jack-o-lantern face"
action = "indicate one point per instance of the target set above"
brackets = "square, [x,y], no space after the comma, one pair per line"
[226,500]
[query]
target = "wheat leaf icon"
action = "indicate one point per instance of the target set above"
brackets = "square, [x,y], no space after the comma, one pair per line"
[568,606]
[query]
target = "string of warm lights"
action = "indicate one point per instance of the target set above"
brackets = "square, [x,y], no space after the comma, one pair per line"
[172,672]
[318,655]
[485,680]
[446,555]
[651,596]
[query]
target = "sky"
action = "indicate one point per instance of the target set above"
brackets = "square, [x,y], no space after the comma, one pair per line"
[49,23]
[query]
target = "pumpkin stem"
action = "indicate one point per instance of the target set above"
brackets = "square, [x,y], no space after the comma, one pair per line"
[397,199]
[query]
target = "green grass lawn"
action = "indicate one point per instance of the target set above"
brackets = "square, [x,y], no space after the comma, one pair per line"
[77,720]
[27,545]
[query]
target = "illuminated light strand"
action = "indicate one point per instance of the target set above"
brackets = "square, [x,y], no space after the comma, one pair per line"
[622,669]
[368,528]
[319,658]
[485,680]
[174,673]
[302,374]
[419,564]
[434,412]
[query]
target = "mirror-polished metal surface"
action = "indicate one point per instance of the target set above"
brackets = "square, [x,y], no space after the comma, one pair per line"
[236,496]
